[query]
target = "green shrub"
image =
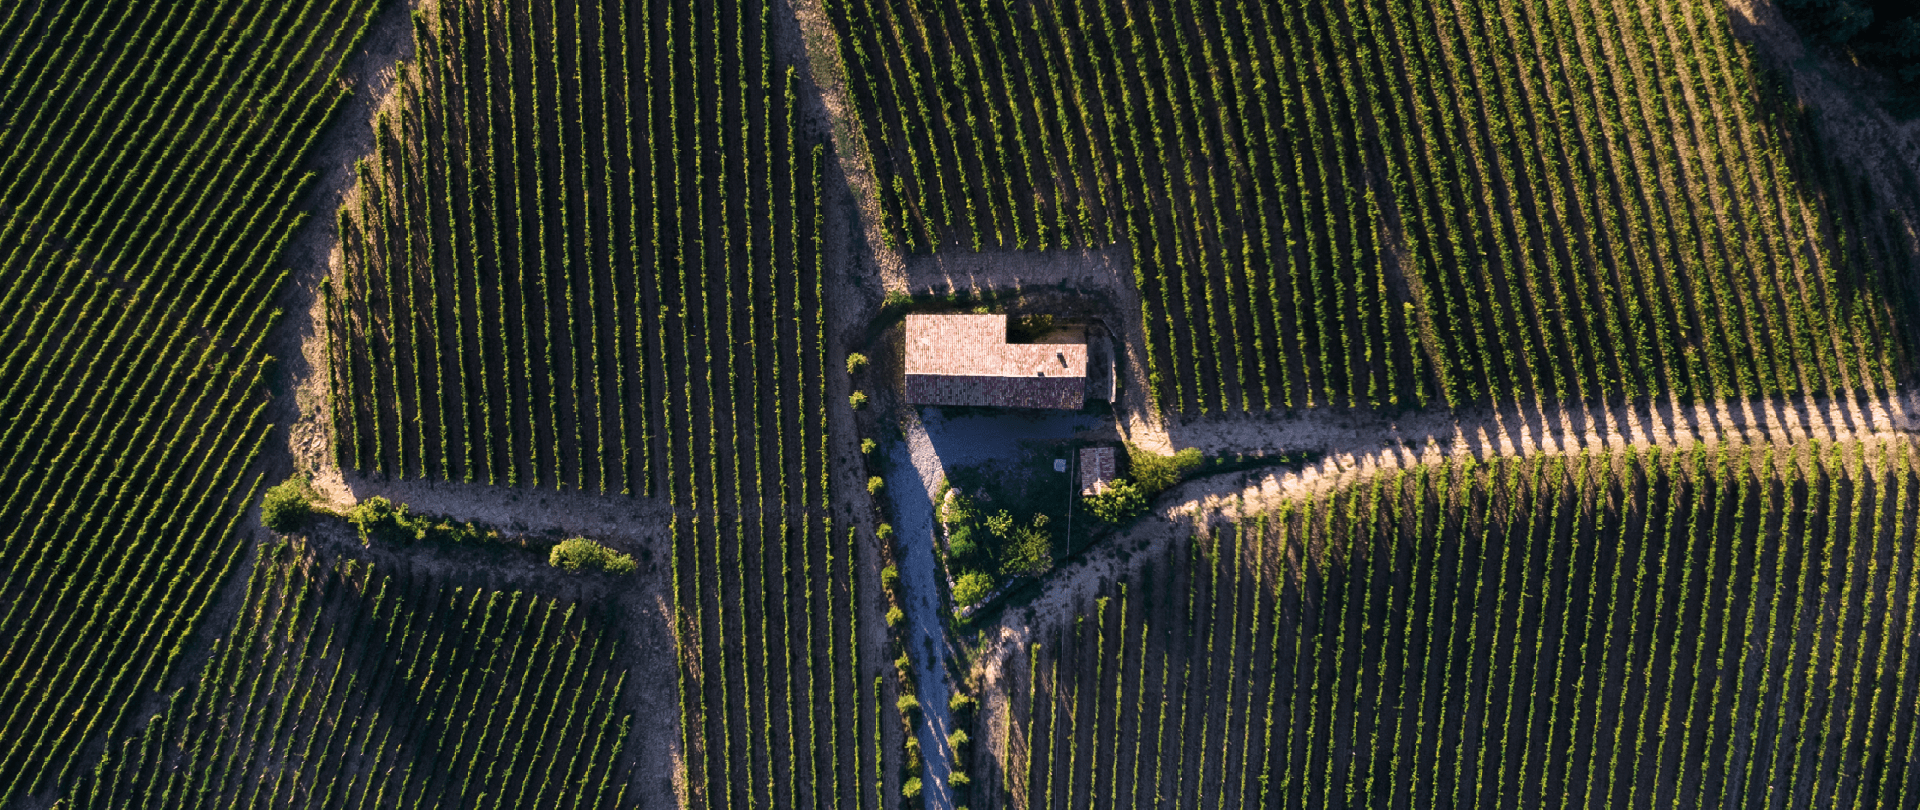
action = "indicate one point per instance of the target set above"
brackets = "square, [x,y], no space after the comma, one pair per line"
[857,399]
[895,616]
[1116,502]
[890,578]
[384,520]
[961,702]
[867,446]
[581,554]
[288,504]
[875,484]
[961,546]
[958,739]
[856,362]
[1030,551]
[907,704]
[971,588]
[910,788]
[958,778]
[884,531]
[1001,524]
[381,519]
[1156,473]
[956,509]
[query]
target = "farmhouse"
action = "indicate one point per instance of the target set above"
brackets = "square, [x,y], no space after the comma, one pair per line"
[966,360]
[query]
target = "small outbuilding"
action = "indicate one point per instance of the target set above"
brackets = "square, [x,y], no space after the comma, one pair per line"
[1097,468]
[966,360]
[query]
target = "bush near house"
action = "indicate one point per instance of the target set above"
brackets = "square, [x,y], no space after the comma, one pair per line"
[1117,501]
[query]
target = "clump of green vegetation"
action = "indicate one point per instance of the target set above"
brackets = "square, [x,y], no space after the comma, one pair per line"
[857,399]
[984,549]
[581,554]
[875,484]
[867,446]
[1028,549]
[856,362]
[1156,473]
[377,518]
[1117,501]
[972,587]
[288,504]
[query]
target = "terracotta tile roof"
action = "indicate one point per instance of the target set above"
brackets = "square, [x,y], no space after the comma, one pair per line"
[966,360]
[1096,468]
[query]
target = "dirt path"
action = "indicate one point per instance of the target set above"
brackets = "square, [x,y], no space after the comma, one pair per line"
[925,636]
[821,46]
[300,341]
[1533,428]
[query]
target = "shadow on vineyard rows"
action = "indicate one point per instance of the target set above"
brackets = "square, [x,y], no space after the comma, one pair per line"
[346,683]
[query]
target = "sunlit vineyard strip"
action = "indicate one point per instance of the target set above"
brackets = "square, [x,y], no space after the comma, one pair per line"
[1727,627]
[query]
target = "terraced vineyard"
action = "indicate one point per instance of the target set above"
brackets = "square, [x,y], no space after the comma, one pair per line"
[1400,203]
[1730,627]
[149,158]
[586,254]
[340,686]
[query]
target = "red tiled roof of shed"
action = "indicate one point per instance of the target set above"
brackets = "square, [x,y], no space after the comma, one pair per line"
[1096,468]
